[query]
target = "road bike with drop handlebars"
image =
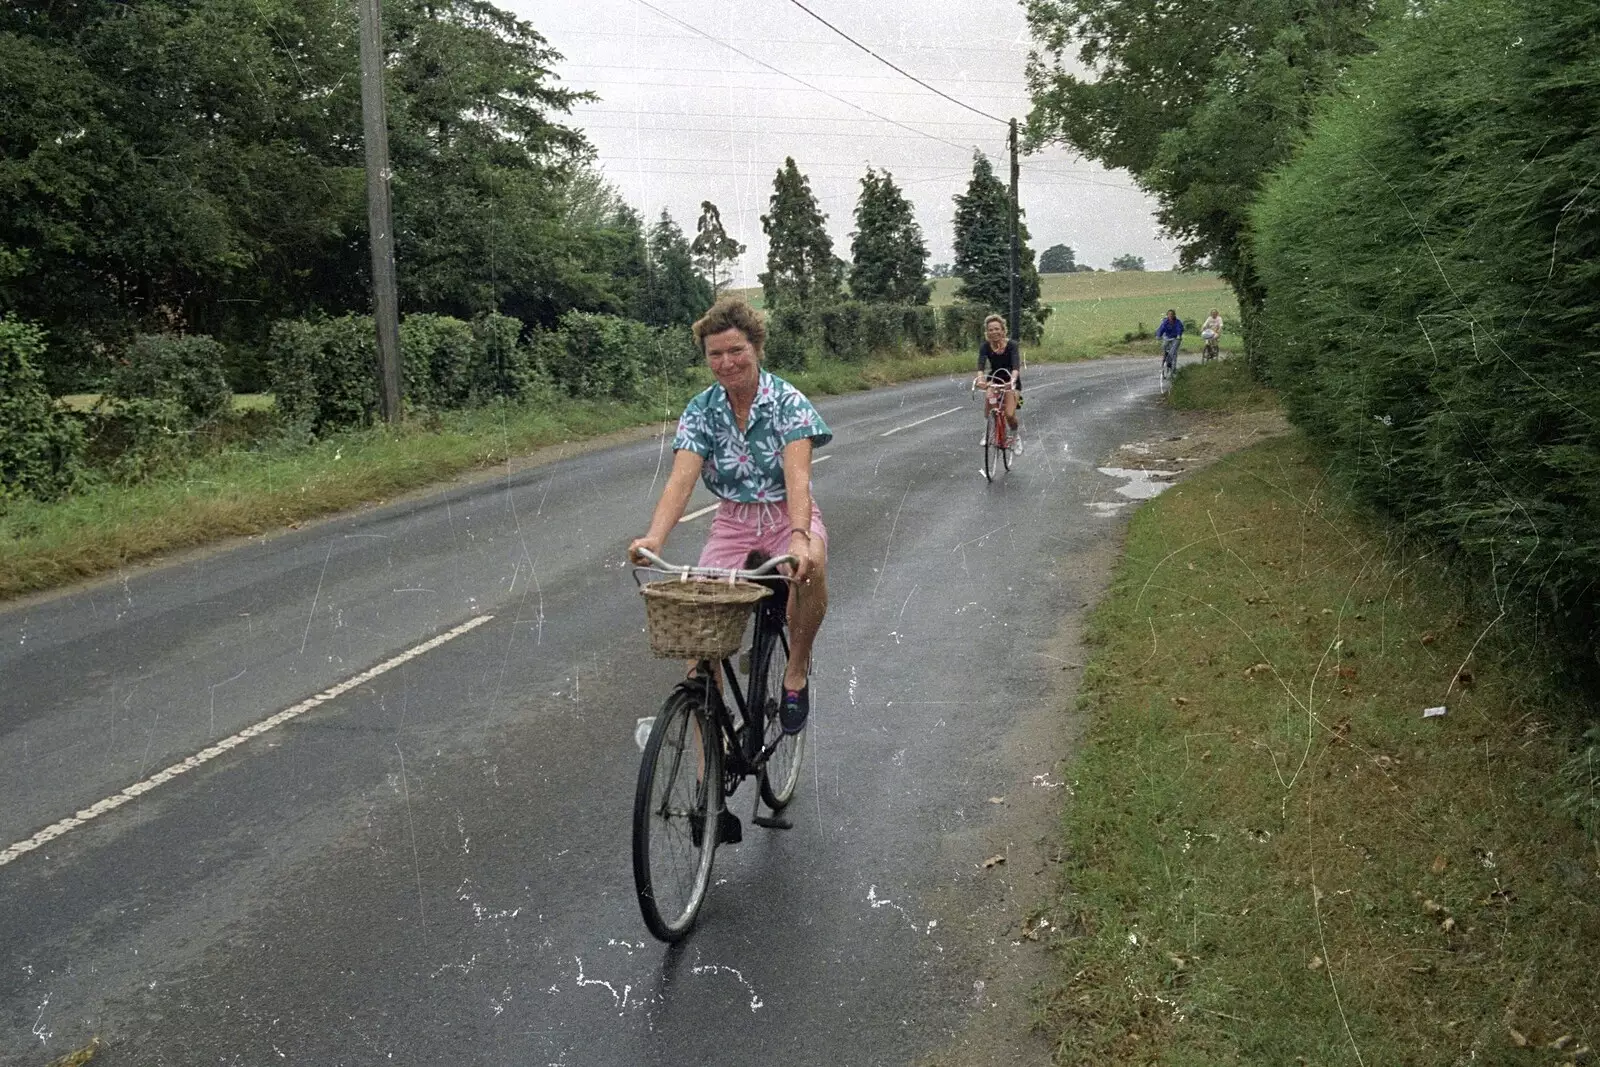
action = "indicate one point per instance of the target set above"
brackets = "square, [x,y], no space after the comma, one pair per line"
[1001,443]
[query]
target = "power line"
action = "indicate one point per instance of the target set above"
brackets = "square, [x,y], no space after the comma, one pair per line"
[696,30]
[1062,180]
[754,116]
[763,131]
[892,67]
[964,49]
[1014,83]
[775,88]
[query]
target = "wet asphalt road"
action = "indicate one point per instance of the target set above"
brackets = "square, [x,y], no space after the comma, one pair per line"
[433,868]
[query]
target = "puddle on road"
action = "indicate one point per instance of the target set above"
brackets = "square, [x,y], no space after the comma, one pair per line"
[1139,485]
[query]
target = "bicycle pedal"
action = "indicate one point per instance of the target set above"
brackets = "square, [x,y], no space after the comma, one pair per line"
[773,822]
[730,831]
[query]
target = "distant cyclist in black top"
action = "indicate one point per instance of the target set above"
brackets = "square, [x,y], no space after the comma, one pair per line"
[1004,360]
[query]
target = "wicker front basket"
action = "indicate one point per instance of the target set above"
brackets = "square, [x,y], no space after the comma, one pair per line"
[698,619]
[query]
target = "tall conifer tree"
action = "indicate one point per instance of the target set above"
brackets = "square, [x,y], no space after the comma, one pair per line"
[890,256]
[674,294]
[801,268]
[983,245]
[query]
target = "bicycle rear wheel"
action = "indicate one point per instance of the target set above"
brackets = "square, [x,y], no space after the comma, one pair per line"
[781,773]
[675,813]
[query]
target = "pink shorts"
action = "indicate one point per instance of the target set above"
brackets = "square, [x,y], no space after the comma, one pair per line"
[738,528]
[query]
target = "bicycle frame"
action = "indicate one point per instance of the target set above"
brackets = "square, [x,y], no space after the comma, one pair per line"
[771,620]
[994,409]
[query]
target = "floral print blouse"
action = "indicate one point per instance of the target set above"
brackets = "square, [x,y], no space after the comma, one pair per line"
[747,467]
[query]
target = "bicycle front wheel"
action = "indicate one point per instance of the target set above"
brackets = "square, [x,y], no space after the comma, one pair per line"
[781,773]
[675,815]
[990,447]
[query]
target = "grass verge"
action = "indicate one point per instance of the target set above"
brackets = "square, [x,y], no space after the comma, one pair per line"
[1273,856]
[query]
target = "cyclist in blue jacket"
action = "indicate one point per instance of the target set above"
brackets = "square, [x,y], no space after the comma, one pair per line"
[1170,334]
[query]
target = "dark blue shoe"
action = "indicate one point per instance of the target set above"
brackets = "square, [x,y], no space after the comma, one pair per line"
[795,708]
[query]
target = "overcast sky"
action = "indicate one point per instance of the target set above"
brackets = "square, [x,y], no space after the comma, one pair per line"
[683,119]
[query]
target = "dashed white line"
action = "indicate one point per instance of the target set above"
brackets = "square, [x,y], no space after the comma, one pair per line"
[206,755]
[919,422]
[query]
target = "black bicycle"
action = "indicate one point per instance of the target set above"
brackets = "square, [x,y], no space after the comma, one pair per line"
[699,752]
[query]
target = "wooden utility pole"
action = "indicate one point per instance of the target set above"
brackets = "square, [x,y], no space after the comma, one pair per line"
[1014,322]
[380,220]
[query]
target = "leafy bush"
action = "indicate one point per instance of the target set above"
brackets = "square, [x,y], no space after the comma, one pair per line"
[324,371]
[961,325]
[1432,263]
[840,329]
[605,356]
[41,448]
[136,437]
[502,365]
[880,330]
[184,369]
[919,328]
[788,339]
[439,355]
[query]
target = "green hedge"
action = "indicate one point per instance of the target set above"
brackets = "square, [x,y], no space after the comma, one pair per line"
[41,447]
[1432,263]
[854,331]
[324,371]
[185,371]
[605,356]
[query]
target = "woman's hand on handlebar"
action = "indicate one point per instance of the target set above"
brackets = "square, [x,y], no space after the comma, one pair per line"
[800,549]
[653,544]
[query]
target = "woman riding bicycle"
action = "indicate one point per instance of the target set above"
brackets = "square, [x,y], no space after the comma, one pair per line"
[1170,334]
[1211,332]
[1005,363]
[750,439]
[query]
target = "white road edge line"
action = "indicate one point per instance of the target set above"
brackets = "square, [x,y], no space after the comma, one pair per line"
[206,755]
[919,422]
[709,508]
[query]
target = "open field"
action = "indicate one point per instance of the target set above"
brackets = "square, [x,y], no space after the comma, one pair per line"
[1085,286]
[241,401]
[1091,311]
[1274,855]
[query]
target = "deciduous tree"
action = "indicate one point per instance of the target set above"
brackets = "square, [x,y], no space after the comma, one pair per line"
[712,247]
[1057,259]
[1198,101]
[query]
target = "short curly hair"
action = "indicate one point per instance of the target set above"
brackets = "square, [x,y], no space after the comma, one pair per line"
[732,313]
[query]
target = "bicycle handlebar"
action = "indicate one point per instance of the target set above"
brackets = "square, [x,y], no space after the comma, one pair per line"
[766,570]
